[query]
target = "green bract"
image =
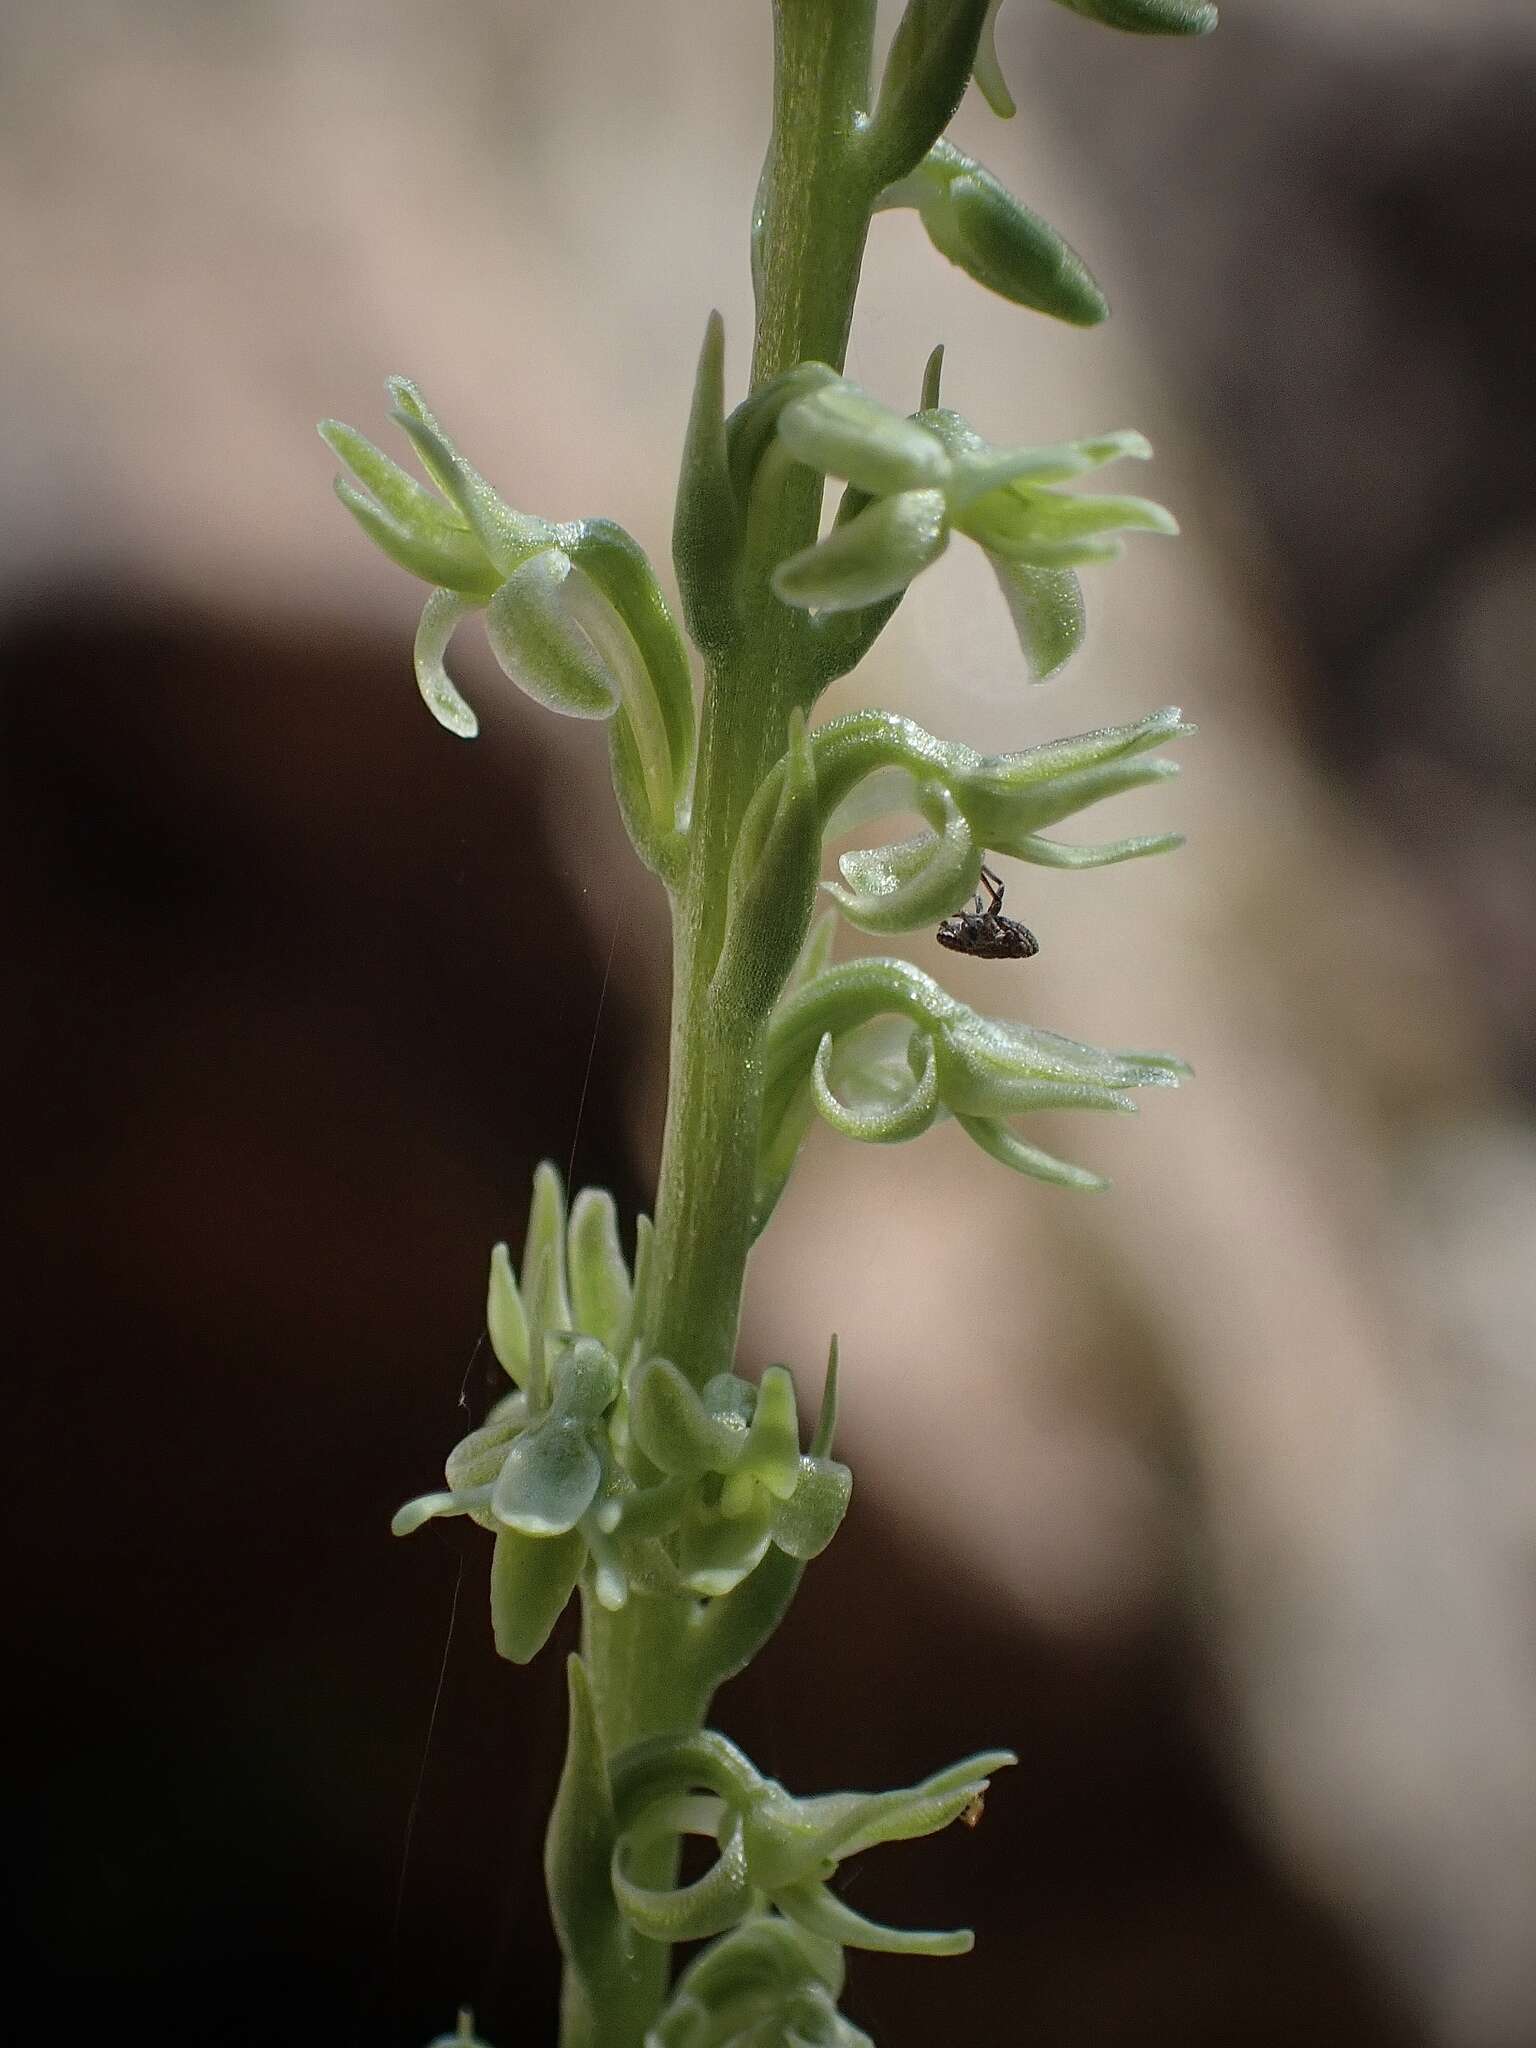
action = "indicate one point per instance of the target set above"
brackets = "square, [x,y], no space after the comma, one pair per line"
[978,224]
[933,475]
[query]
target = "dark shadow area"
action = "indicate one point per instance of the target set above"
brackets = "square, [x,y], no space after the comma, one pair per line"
[276,1095]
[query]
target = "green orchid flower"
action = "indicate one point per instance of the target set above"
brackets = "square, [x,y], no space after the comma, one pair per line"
[574,615]
[881,1052]
[774,1850]
[915,481]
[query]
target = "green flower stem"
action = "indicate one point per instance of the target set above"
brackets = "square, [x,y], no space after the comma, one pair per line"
[638,1664]
[816,211]
[816,205]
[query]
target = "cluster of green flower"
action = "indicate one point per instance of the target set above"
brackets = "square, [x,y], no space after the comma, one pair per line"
[605,1457]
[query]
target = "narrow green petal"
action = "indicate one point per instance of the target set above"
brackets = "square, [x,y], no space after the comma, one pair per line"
[1008,1150]
[463,569]
[981,469]
[1052,528]
[405,396]
[814,1908]
[507,537]
[916,1810]
[440,615]
[426,1508]
[1053,853]
[407,502]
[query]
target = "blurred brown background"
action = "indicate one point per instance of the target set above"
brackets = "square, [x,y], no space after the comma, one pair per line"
[1216,1501]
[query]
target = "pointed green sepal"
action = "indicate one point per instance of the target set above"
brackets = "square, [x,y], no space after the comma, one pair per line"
[1050,529]
[436,555]
[506,537]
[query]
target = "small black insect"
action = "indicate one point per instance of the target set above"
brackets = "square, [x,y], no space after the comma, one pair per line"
[987,933]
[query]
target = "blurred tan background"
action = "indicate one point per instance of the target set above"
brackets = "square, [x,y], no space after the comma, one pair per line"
[1213,1495]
